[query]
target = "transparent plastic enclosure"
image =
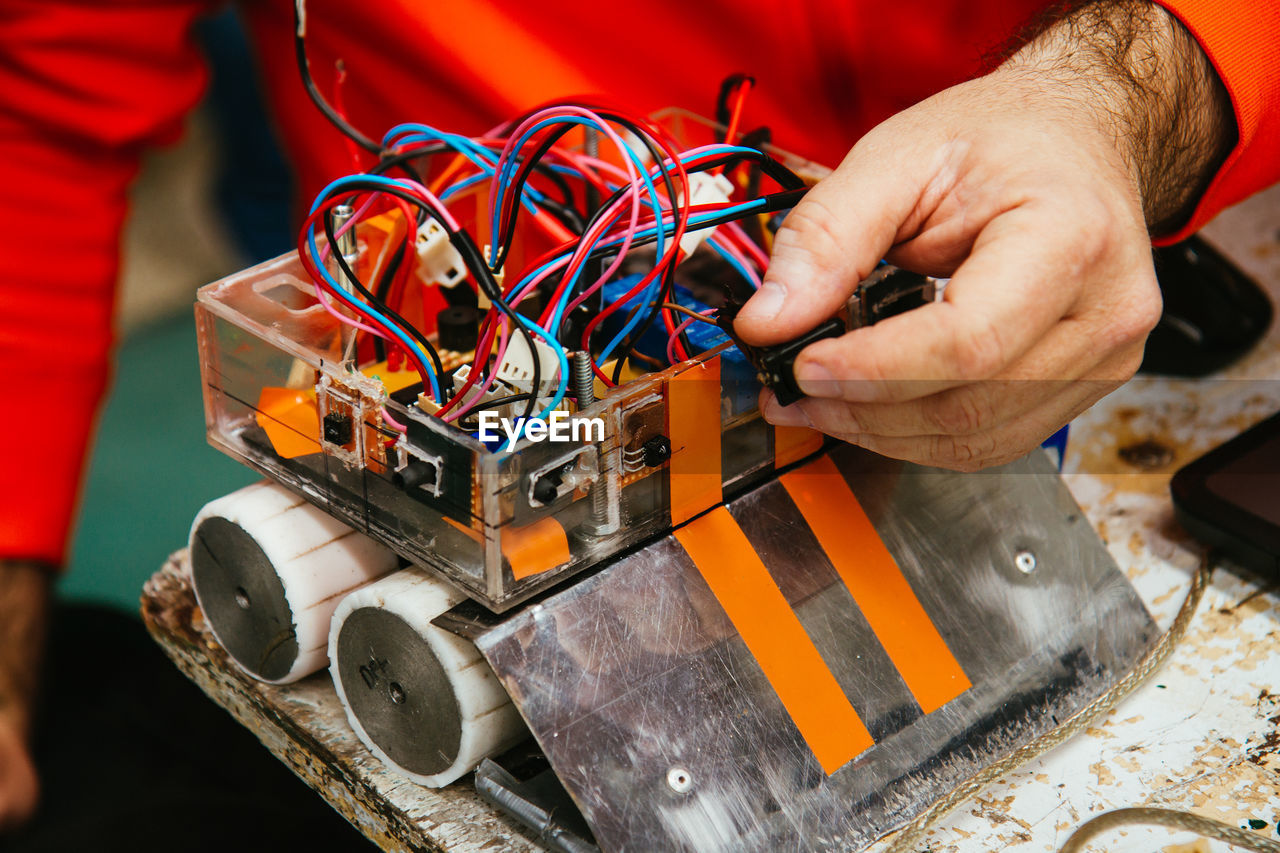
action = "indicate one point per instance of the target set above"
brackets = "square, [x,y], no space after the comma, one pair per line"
[289,392]
[282,395]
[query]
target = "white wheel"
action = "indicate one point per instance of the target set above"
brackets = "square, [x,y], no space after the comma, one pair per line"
[422,699]
[268,569]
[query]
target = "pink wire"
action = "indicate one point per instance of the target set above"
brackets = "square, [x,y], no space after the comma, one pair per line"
[731,250]
[747,245]
[480,391]
[508,152]
[395,424]
[675,336]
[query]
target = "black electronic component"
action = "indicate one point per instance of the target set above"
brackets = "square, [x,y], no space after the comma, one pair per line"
[547,487]
[458,328]
[338,428]
[887,293]
[656,451]
[1228,498]
[451,493]
[1213,313]
[775,365]
[416,474]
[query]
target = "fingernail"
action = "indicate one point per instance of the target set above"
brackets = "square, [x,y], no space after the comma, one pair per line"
[767,302]
[792,415]
[815,380]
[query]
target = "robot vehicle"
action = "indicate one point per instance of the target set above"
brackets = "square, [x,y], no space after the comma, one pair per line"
[720,634]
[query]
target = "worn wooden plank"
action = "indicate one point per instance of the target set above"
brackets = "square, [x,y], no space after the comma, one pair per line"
[1203,734]
[304,726]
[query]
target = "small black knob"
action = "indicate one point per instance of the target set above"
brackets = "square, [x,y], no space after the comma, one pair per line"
[656,451]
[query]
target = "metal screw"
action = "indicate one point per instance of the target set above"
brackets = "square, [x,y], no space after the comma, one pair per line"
[1025,561]
[584,380]
[584,388]
[242,598]
[679,779]
[397,692]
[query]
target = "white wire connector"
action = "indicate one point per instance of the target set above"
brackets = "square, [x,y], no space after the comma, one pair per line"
[517,365]
[704,188]
[438,261]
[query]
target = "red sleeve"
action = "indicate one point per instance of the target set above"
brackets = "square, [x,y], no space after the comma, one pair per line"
[1242,40]
[84,87]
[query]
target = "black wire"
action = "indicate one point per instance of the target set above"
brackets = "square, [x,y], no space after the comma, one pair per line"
[304,69]
[406,326]
[568,216]
[728,86]
[493,404]
[668,185]
[474,260]
[382,292]
[522,176]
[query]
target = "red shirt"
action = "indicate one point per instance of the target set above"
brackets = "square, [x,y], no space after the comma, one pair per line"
[87,85]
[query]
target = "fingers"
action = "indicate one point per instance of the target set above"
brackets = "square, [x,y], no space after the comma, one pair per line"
[1002,300]
[968,427]
[1064,356]
[995,447]
[832,240]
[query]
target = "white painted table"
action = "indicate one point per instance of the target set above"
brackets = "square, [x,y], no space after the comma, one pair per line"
[1204,733]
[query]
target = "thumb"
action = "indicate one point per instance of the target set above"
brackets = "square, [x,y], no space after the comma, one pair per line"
[829,242]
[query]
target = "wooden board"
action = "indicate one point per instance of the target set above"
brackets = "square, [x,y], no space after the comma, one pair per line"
[304,726]
[1203,734]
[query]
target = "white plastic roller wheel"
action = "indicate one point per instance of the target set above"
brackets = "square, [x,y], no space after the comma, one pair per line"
[269,569]
[420,698]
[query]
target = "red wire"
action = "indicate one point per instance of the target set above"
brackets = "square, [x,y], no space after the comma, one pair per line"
[735,117]
[313,270]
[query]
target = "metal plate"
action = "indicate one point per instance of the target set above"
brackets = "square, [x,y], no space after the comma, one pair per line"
[668,734]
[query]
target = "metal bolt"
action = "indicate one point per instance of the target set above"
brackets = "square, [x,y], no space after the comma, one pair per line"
[679,779]
[584,388]
[1025,561]
[584,380]
[242,598]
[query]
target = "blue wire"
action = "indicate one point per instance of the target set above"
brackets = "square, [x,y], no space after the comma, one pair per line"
[693,221]
[359,306]
[561,387]
[481,157]
[714,243]
[509,168]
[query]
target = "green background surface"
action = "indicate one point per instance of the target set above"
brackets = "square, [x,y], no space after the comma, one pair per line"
[151,468]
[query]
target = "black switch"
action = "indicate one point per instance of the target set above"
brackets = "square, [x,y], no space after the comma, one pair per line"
[337,428]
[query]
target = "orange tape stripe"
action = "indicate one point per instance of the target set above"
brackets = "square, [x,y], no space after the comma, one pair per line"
[877,584]
[532,549]
[775,637]
[791,444]
[693,423]
[535,548]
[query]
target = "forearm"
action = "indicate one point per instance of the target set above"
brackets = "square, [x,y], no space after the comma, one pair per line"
[24,609]
[1148,83]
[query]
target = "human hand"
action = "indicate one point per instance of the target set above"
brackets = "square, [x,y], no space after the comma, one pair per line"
[1033,188]
[24,605]
[19,785]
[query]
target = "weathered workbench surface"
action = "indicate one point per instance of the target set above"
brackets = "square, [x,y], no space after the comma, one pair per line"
[1203,734]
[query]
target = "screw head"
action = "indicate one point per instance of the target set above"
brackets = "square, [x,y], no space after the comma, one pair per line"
[1025,561]
[679,780]
[397,692]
